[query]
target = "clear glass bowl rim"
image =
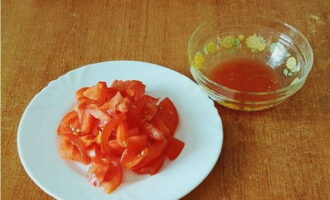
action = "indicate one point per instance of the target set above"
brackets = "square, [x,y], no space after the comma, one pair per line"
[309,61]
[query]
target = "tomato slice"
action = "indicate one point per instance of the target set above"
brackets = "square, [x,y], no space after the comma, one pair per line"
[136,143]
[97,92]
[107,131]
[65,126]
[97,172]
[150,108]
[169,114]
[151,152]
[70,151]
[80,94]
[158,122]
[132,159]
[133,132]
[87,140]
[174,148]
[114,180]
[132,88]
[116,149]
[153,132]
[98,114]
[111,92]
[153,167]
[122,133]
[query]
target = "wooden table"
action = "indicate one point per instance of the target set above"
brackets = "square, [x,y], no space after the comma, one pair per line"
[281,153]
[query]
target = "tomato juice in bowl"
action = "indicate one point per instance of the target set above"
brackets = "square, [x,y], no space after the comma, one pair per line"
[249,63]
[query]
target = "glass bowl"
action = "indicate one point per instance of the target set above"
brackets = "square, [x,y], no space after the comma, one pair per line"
[278,45]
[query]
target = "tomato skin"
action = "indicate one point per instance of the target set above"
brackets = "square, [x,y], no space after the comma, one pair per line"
[174,148]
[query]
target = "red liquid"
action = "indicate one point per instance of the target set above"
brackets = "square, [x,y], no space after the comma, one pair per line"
[246,75]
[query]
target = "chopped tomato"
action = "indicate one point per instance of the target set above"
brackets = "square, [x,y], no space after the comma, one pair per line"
[153,167]
[97,172]
[114,181]
[150,108]
[65,126]
[132,159]
[158,122]
[70,151]
[111,92]
[97,92]
[174,148]
[110,106]
[86,140]
[80,96]
[122,134]
[95,111]
[153,132]
[115,148]
[133,132]
[136,143]
[169,114]
[117,126]
[107,131]
[132,88]
[151,152]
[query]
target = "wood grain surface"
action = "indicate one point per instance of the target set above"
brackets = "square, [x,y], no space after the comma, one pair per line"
[281,153]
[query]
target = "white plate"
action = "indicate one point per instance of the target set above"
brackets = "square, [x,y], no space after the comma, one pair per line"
[200,128]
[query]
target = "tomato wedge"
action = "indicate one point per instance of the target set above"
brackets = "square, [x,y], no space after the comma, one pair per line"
[136,143]
[131,159]
[132,88]
[70,151]
[115,148]
[66,125]
[95,111]
[169,114]
[151,152]
[97,92]
[153,132]
[107,131]
[97,172]
[114,181]
[133,132]
[174,148]
[153,167]
[122,134]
